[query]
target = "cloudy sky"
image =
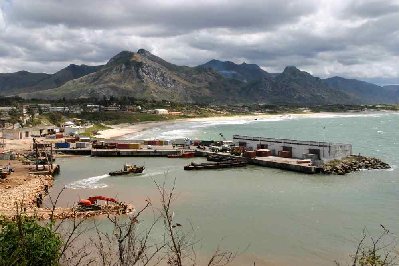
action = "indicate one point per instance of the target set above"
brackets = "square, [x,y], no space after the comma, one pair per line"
[350,38]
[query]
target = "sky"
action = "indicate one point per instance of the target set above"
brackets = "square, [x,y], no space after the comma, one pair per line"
[349,38]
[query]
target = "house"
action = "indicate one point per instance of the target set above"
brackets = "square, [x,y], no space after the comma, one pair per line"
[28,132]
[61,109]
[110,108]
[161,111]
[92,108]
[6,109]
[44,107]
[70,130]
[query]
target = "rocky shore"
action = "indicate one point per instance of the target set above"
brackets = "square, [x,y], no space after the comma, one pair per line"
[19,192]
[24,196]
[352,164]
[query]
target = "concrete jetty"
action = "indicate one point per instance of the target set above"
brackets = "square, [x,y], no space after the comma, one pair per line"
[289,164]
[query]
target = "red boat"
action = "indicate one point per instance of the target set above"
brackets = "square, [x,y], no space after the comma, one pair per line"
[182,155]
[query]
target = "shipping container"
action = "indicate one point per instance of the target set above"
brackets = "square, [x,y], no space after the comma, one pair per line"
[263,153]
[134,146]
[250,154]
[122,146]
[59,135]
[82,145]
[70,140]
[84,139]
[62,145]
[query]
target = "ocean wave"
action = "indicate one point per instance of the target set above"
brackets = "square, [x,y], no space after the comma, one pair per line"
[90,183]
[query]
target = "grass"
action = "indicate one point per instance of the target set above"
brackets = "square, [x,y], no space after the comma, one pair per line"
[92,131]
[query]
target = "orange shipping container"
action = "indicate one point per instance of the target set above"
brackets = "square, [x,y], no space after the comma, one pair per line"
[134,146]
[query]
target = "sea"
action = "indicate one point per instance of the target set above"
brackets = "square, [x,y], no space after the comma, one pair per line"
[269,216]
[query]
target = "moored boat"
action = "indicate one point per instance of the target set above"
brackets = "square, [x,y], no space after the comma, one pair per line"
[182,155]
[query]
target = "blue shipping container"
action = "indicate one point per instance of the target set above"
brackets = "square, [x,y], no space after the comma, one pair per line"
[62,145]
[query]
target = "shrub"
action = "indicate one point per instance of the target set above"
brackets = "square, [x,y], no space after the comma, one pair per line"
[26,242]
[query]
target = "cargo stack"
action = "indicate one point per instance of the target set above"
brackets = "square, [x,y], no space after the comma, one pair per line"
[263,153]
[128,146]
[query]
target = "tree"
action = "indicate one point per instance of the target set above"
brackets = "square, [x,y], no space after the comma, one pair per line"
[375,251]
[26,242]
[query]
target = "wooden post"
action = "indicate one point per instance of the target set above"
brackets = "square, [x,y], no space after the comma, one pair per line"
[37,154]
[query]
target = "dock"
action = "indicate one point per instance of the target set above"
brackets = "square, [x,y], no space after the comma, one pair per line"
[285,164]
[289,164]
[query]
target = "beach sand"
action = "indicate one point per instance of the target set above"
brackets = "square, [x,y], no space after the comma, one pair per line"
[118,131]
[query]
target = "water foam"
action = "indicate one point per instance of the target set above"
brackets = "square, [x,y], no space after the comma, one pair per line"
[90,183]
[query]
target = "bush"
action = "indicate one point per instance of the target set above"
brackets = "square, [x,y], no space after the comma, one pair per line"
[25,242]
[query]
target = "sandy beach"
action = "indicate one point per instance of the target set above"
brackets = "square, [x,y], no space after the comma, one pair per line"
[118,131]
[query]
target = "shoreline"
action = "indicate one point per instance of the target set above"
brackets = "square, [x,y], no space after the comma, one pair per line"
[121,130]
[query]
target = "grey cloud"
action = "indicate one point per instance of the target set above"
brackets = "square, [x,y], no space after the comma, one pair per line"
[372,8]
[181,17]
[346,37]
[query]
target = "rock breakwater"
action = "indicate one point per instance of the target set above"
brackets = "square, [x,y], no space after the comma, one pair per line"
[352,164]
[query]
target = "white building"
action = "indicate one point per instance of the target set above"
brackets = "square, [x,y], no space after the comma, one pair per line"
[299,149]
[62,109]
[161,111]
[28,132]
[70,130]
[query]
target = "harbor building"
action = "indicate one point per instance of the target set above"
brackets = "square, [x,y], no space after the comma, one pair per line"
[318,151]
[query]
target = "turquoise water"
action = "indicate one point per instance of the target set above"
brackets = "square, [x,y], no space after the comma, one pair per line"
[275,216]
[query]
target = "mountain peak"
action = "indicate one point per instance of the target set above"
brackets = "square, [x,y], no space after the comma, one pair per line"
[144,52]
[291,69]
[121,57]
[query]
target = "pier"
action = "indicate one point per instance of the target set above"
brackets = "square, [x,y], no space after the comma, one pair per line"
[290,164]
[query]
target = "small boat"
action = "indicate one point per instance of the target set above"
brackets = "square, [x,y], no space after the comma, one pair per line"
[128,169]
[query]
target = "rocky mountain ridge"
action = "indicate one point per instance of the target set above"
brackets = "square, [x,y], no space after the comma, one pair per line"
[144,75]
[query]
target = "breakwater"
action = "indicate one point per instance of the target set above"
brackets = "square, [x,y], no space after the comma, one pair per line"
[352,164]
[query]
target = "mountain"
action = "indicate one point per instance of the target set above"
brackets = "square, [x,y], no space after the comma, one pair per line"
[243,72]
[364,92]
[295,87]
[21,81]
[144,75]
[25,82]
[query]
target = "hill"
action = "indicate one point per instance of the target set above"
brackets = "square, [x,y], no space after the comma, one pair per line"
[146,76]
[26,82]
[365,92]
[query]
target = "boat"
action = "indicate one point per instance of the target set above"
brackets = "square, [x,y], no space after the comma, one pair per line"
[128,169]
[182,155]
[216,165]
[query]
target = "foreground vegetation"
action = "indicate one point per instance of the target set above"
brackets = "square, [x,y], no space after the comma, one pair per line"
[25,241]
